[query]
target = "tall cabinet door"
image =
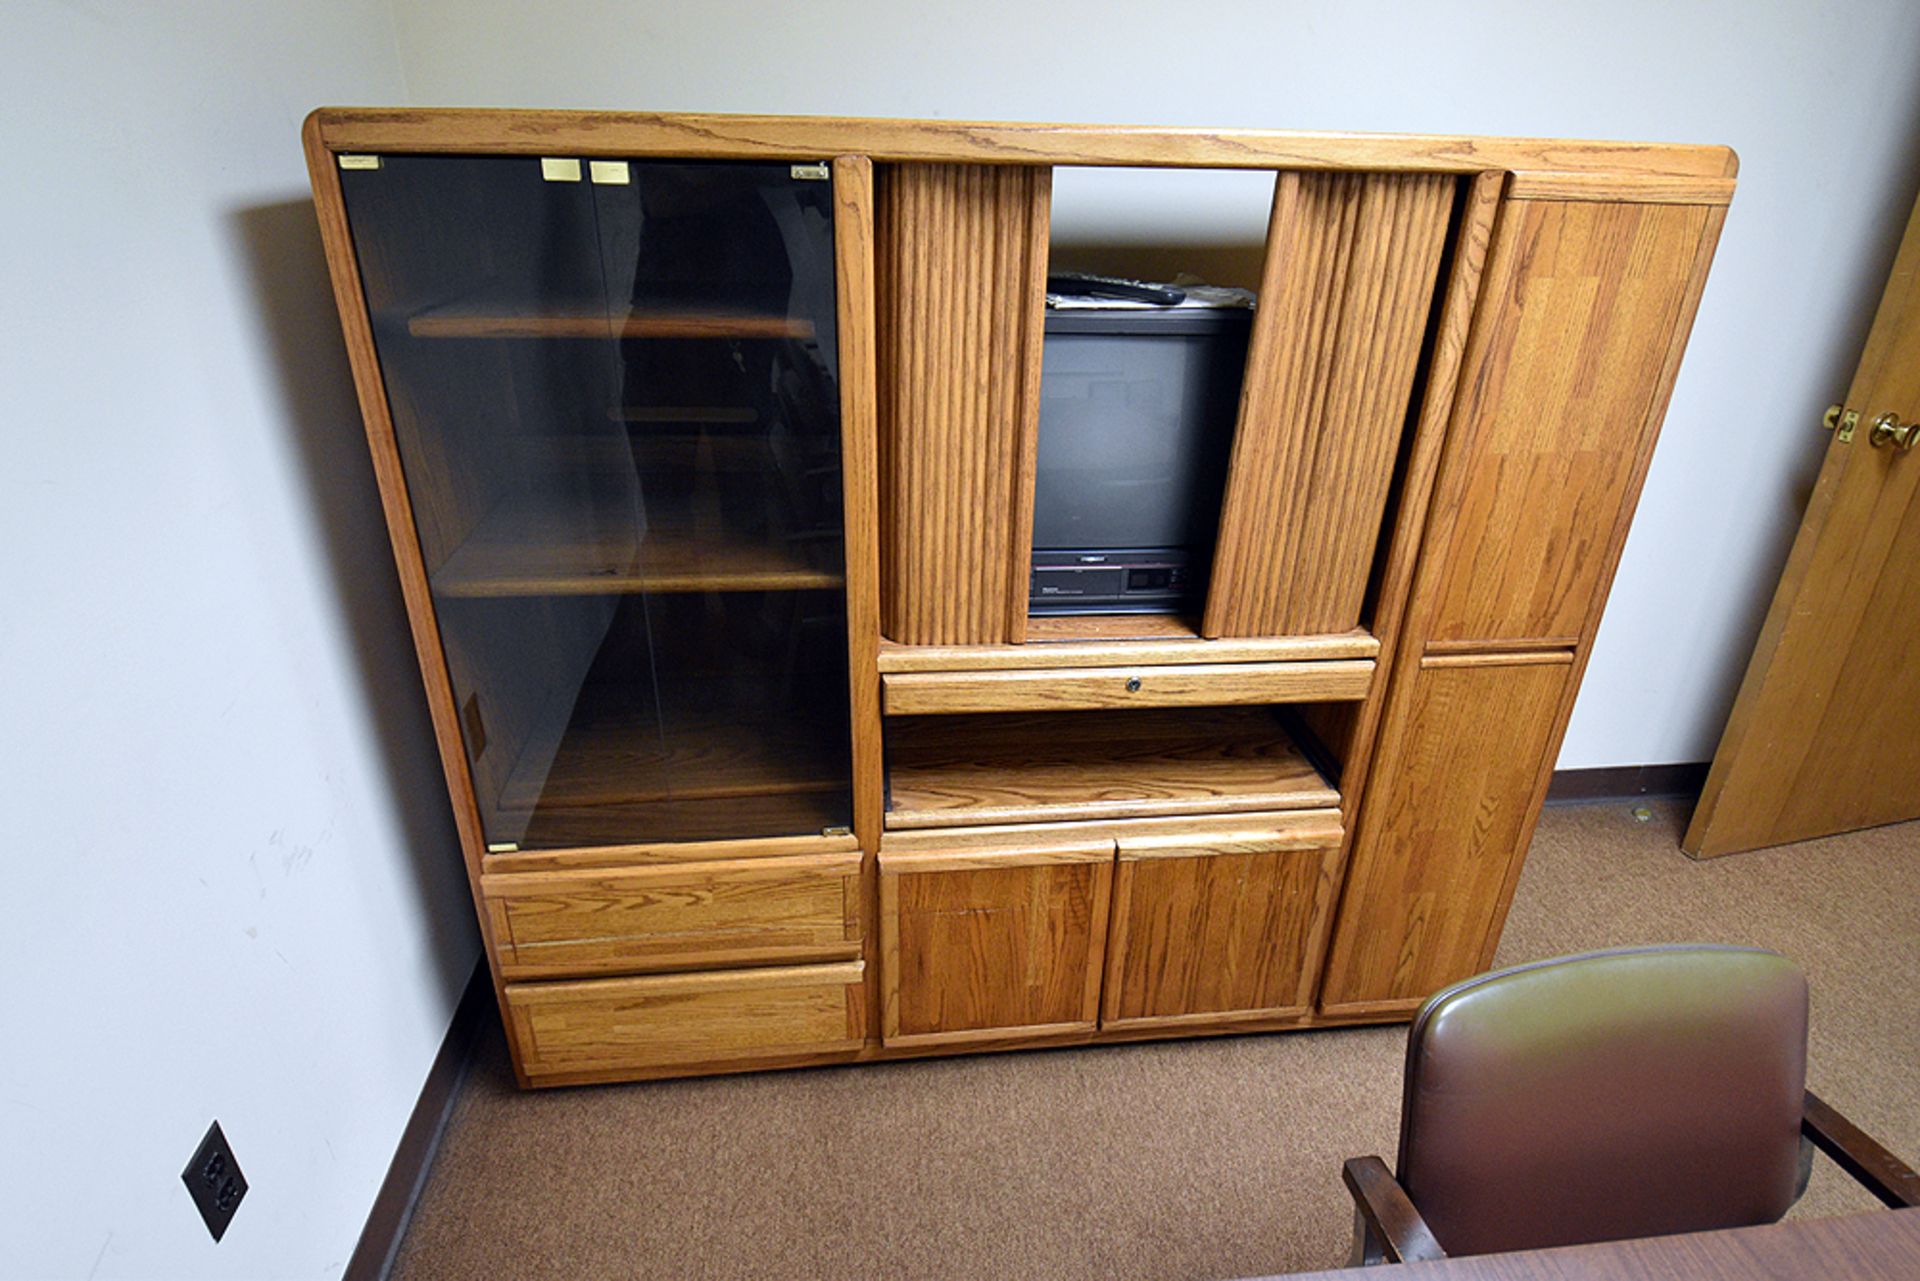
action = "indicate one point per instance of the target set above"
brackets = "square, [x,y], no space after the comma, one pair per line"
[1587,303]
[613,387]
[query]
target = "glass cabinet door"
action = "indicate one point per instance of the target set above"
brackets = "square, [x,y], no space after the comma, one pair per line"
[614,392]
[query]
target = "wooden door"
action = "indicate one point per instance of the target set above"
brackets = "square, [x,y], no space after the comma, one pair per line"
[987,942]
[1823,732]
[1219,927]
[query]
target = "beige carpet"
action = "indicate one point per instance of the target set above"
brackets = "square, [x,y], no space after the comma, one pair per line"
[1209,1158]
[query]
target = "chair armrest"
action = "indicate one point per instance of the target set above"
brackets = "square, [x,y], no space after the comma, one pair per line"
[1878,1170]
[1387,1212]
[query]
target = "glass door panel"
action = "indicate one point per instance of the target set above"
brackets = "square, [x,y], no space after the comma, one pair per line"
[614,390]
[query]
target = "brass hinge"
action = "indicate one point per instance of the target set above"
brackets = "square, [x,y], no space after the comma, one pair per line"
[810,173]
[1839,416]
[504,847]
[610,173]
[348,160]
[559,169]
[836,831]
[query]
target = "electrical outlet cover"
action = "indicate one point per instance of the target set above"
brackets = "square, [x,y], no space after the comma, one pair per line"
[214,1181]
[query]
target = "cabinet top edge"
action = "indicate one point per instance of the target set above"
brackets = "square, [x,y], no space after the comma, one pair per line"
[455,130]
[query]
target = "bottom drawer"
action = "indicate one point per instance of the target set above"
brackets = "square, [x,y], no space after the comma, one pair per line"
[677,1020]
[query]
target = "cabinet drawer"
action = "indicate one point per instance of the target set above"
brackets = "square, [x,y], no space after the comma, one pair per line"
[1086,688]
[676,1020]
[1219,926]
[802,907]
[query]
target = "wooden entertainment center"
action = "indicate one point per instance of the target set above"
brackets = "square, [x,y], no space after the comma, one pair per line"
[706,446]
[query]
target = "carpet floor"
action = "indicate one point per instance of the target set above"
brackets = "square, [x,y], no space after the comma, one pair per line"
[1204,1158]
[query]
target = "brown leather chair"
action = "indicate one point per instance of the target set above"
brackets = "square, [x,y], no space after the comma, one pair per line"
[1626,1093]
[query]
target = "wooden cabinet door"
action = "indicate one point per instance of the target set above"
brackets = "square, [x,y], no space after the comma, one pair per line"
[1445,828]
[979,943]
[1565,384]
[1588,297]
[1223,927]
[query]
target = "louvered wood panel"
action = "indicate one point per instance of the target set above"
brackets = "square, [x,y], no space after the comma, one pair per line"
[961,274]
[1345,296]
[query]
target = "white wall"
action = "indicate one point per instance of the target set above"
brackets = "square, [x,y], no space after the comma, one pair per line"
[232,885]
[1822,100]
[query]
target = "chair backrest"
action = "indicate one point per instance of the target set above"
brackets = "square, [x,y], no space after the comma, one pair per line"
[1614,1094]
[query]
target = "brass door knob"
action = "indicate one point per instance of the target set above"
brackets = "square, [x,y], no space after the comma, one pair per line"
[1889,432]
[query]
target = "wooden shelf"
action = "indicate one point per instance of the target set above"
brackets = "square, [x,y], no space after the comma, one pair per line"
[975,770]
[471,320]
[621,774]
[548,547]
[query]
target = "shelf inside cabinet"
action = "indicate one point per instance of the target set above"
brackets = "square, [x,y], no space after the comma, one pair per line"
[618,770]
[972,770]
[480,320]
[545,546]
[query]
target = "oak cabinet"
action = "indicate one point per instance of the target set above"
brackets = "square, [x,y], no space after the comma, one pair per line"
[706,448]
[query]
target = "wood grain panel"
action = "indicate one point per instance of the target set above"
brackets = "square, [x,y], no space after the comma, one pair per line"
[853,252]
[1346,292]
[1621,188]
[1063,689]
[975,770]
[961,288]
[1048,647]
[1555,412]
[1444,827]
[616,1025]
[686,916]
[1215,926]
[744,137]
[1000,940]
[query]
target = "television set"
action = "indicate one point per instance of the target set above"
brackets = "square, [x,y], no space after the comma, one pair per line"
[1137,413]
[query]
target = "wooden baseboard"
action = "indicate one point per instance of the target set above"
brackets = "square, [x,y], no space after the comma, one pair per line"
[413,1159]
[1616,782]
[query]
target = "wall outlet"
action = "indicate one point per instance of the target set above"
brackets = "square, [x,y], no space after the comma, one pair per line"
[214,1181]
